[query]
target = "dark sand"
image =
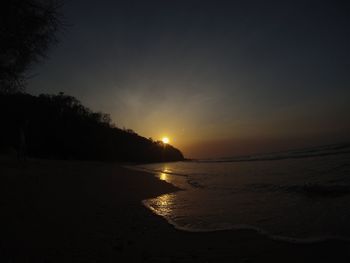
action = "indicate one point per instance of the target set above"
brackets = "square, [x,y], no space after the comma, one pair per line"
[55,211]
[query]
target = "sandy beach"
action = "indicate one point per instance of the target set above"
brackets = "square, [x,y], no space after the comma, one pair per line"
[70,211]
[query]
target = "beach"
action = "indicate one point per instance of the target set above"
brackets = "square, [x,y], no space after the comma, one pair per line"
[72,211]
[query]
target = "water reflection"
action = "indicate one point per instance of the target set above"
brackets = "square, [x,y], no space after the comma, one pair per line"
[166,170]
[163,176]
[166,174]
[162,205]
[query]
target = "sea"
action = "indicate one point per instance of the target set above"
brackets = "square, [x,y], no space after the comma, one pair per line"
[299,195]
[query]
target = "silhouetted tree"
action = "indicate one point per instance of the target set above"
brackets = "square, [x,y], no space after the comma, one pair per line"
[60,127]
[27,30]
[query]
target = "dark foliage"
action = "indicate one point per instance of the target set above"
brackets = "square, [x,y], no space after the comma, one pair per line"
[27,29]
[60,127]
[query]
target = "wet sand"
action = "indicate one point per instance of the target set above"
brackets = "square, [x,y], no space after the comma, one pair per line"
[65,211]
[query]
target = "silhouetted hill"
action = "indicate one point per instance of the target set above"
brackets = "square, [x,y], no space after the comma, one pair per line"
[60,127]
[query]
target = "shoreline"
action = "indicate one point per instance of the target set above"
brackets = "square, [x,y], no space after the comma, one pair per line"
[259,231]
[71,211]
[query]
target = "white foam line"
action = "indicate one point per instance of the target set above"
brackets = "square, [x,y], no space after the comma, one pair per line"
[308,240]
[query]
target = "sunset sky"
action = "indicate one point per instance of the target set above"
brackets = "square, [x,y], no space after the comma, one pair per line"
[219,78]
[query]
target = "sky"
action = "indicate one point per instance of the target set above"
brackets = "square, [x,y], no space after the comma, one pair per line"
[219,78]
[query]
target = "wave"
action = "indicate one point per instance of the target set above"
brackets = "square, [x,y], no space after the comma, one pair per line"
[229,227]
[194,183]
[308,189]
[149,170]
[190,181]
[320,190]
[334,149]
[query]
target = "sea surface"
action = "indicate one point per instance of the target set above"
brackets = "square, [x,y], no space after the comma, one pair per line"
[300,195]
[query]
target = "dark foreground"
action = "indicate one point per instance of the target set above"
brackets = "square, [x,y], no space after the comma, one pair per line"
[55,211]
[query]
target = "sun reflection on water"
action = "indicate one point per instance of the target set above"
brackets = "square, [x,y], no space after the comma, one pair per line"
[166,170]
[164,200]
[163,176]
[162,205]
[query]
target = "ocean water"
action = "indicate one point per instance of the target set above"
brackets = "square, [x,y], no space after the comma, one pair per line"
[301,195]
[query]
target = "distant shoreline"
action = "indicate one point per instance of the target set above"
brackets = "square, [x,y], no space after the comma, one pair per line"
[317,151]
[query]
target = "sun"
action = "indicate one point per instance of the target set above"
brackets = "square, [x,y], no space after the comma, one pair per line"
[165,140]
